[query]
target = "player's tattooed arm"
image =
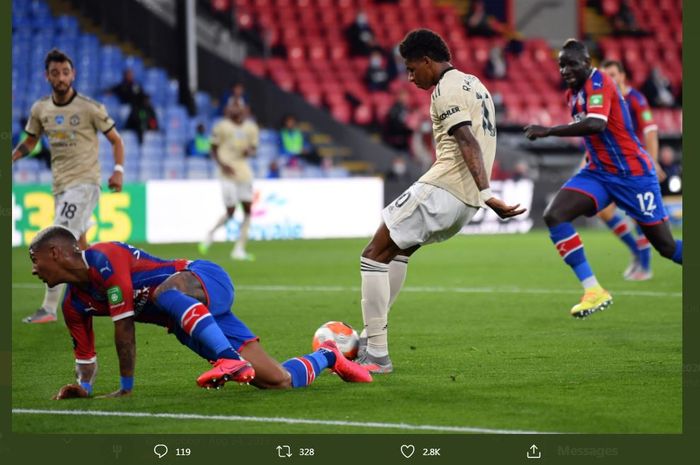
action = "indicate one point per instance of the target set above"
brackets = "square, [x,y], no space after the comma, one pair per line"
[586,127]
[24,148]
[471,152]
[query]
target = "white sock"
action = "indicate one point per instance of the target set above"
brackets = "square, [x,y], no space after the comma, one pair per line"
[590,282]
[52,297]
[397,276]
[375,305]
[243,236]
[210,237]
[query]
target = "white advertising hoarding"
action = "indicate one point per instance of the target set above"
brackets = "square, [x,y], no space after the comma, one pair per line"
[184,211]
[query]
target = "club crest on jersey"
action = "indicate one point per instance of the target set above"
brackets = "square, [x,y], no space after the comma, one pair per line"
[58,119]
[74,120]
[646,115]
[450,111]
[595,101]
[115,296]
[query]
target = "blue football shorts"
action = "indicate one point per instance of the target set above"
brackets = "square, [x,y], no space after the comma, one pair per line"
[638,196]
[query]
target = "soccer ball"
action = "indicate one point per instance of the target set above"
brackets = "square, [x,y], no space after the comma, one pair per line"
[342,333]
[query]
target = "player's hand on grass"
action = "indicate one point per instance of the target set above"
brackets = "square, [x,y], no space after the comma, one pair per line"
[71,391]
[119,393]
[503,210]
[116,181]
[535,131]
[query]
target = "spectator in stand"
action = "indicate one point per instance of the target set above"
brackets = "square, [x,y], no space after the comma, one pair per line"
[142,117]
[377,73]
[200,144]
[360,36]
[496,65]
[294,144]
[672,184]
[423,145]
[624,23]
[128,90]
[657,89]
[395,64]
[479,23]
[224,12]
[396,128]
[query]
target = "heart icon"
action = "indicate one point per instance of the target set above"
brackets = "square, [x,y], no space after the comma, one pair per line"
[408,450]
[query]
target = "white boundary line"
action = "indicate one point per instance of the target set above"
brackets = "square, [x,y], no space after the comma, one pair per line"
[283,420]
[419,289]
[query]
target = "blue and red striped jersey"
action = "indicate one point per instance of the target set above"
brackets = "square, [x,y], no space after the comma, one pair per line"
[122,281]
[642,118]
[616,149]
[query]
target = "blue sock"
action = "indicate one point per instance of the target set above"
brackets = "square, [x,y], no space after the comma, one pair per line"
[678,254]
[570,247]
[618,225]
[194,318]
[305,369]
[644,248]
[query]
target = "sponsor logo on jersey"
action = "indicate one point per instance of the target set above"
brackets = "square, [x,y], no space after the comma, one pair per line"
[646,115]
[58,119]
[595,101]
[115,296]
[74,120]
[451,111]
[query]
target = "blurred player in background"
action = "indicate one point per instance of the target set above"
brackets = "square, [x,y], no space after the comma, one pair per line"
[444,199]
[619,170]
[234,139]
[70,121]
[193,299]
[647,132]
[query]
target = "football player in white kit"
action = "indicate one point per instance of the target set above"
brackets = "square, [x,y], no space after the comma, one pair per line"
[444,199]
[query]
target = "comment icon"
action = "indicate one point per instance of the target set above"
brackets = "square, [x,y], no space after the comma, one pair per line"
[160,450]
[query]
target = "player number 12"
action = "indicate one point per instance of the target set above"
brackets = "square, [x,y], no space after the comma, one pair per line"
[646,203]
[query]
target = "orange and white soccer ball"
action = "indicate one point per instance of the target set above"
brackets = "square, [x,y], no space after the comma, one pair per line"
[342,333]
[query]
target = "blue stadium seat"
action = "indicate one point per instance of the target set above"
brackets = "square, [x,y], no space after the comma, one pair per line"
[135,64]
[67,25]
[173,169]
[44,176]
[176,123]
[153,139]
[129,138]
[197,168]
[203,104]
[172,92]
[150,169]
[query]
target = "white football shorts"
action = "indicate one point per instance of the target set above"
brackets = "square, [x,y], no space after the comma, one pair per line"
[75,206]
[424,214]
[234,192]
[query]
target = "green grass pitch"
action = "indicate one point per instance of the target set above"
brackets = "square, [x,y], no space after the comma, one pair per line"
[481,337]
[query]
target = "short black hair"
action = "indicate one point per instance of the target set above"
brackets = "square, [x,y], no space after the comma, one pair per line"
[616,63]
[53,234]
[57,56]
[576,46]
[421,43]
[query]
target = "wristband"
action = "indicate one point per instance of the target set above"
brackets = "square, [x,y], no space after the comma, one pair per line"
[87,386]
[485,194]
[127,383]
[119,168]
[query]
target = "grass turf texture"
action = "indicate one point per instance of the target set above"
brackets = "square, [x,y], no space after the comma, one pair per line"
[503,360]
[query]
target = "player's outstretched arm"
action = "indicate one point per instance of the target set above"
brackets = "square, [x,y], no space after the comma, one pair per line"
[125,340]
[117,179]
[24,148]
[585,127]
[471,152]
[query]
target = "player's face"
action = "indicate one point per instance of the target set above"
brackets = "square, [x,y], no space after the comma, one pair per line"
[44,265]
[617,77]
[60,75]
[574,68]
[419,73]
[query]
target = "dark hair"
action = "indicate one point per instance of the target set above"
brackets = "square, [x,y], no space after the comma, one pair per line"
[54,233]
[609,63]
[57,56]
[421,43]
[575,46]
